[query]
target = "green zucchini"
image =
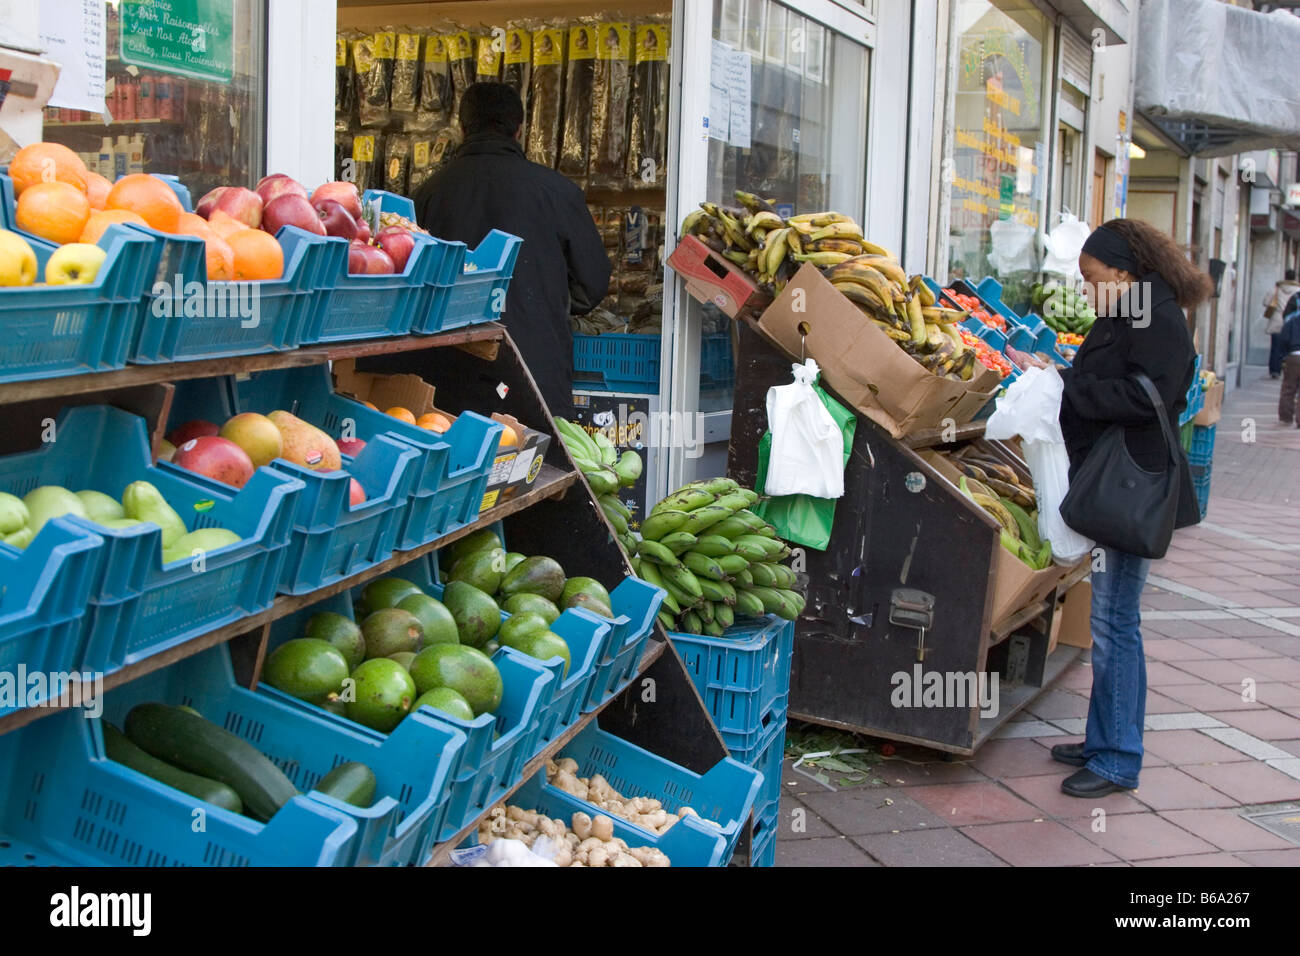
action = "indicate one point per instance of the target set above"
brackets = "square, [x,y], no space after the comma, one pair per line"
[120,750]
[201,747]
[350,782]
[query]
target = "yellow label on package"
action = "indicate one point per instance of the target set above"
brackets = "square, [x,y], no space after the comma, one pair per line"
[420,153]
[548,47]
[459,46]
[340,51]
[651,42]
[615,41]
[489,57]
[435,50]
[582,42]
[363,149]
[408,46]
[385,45]
[519,46]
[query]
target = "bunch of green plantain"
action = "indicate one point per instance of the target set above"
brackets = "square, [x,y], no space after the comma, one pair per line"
[606,471]
[1019,533]
[715,558]
[771,249]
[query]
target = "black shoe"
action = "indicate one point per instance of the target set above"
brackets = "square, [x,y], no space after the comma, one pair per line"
[1085,783]
[1069,753]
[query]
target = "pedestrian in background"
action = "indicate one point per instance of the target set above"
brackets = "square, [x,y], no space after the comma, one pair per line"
[1275,311]
[1288,347]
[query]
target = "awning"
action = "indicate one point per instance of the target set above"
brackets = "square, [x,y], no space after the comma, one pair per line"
[1219,79]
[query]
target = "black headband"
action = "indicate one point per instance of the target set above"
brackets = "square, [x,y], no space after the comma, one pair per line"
[1110,248]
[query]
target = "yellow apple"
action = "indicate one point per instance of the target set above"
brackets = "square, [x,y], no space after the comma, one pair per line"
[17,261]
[76,263]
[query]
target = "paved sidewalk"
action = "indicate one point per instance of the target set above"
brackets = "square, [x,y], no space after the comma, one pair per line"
[1221,623]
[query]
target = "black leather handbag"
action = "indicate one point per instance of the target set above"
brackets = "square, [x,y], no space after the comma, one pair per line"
[1120,505]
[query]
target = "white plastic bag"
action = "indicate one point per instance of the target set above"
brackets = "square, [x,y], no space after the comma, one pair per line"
[1064,243]
[807,456]
[1031,409]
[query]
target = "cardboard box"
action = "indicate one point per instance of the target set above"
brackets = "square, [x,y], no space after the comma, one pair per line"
[515,466]
[1054,636]
[385,391]
[710,278]
[1076,616]
[865,366]
[1212,410]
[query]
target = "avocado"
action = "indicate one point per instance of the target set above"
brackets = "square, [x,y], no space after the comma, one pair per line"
[544,645]
[466,670]
[582,585]
[341,632]
[483,569]
[518,626]
[535,575]
[523,601]
[385,592]
[477,616]
[582,599]
[439,626]
[306,668]
[485,539]
[447,701]
[390,630]
[513,558]
[403,657]
[384,694]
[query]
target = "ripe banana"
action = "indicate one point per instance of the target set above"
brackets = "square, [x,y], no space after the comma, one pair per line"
[916,322]
[844,229]
[822,259]
[693,220]
[754,203]
[995,507]
[775,251]
[847,246]
[919,287]
[763,220]
[877,250]
[819,218]
[888,267]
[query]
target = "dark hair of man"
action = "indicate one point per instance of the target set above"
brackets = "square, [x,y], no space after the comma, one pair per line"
[491,108]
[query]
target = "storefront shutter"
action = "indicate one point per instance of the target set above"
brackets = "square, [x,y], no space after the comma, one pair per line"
[1076,60]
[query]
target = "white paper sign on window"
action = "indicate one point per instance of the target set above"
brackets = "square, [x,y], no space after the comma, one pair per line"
[719,102]
[72,32]
[739,81]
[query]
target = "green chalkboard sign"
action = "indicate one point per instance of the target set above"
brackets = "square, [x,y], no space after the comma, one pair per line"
[189,37]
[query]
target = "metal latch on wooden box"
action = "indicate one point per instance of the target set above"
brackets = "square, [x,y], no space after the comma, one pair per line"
[909,607]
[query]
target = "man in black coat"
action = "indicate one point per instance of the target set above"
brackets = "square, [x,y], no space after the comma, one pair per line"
[562,268]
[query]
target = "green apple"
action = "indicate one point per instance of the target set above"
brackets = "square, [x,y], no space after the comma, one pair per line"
[17,260]
[76,263]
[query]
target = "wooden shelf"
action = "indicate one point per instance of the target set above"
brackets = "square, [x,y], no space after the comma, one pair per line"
[442,851]
[206,368]
[930,437]
[551,483]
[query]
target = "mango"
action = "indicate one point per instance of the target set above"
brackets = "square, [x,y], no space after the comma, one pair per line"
[99,506]
[144,502]
[305,444]
[13,514]
[50,501]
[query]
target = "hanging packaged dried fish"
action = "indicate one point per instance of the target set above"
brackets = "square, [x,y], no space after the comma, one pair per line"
[421,167]
[364,150]
[546,95]
[374,60]
[434,109]
[517,65]
[405,93]
[576,138]
[460,56]
[610,91]
[489,46]
[647,157]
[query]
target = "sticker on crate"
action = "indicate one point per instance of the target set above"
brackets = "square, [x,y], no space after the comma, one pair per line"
[518,460]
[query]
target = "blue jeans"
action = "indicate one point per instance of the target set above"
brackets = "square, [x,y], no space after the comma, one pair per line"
[1117,708]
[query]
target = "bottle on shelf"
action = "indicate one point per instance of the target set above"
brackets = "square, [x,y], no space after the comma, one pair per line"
[121,156]
[162,91]
[104,166]
[146,103]
[136,163]
[130,97]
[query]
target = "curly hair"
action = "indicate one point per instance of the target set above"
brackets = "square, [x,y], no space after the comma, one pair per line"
[1157,252]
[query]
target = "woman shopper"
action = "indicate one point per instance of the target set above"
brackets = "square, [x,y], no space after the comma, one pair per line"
[1140,284]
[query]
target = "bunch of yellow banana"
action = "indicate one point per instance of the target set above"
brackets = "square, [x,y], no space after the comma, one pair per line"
[1019,532]
[998,476]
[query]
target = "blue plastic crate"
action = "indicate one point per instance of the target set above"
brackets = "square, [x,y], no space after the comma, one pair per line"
[52,331]
[478,291]
[1202,449]
[413,765]
[137,605]
[617,362]
[687,844]
[741,674]
[179,188]
[1195,399]
[748,747]
[448,476]
[1201,482]
[65,803]
[192,318]
[587,635]
[389,202]
[635,604]
[768,759]
[42,604]
[762,845]
[722,797]
[717,365]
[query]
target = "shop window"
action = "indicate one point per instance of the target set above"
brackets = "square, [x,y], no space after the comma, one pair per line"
[1000,149]
[187,100]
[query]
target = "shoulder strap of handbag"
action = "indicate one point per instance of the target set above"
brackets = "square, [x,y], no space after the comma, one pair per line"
[1149,387]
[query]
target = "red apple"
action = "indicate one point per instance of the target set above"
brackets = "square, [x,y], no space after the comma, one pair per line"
[335,219]
[363,230]
[208,202]
[277,184]
[291,210]
[194,429]
[379,262]
[218,458]
[398,243]
[341,192]
[357,494]
[351,446]
[357,257]
[242,204]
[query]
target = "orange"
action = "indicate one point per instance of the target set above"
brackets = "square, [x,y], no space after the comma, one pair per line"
[225,225]
[508,436]
[221,258]
[45,163]
[97,188]
[434,421]
[401,414]
[54,211]
[150,197]
[257,254]
[101,219]
[193,225]
[371,405]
